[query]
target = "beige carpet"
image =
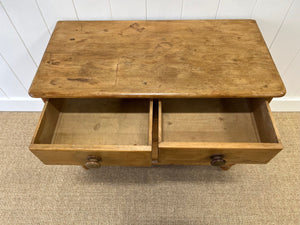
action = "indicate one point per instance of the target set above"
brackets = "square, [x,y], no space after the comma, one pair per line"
[32,193]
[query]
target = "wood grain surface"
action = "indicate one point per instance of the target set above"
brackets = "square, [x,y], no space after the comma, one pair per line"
[112,155]
[157,59]
[192,130]
[119,131]
[196,153]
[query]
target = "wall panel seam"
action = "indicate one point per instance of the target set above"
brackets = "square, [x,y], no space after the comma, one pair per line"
[10,20]
[44,20]
[4,93]
[253,9]
[13,72]
[75,10]
[181,11]
[281,24]
[110,10]
[146,4]
[291,62]
[217,10]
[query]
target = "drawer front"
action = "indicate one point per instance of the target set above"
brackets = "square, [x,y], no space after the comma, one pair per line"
[202,153]
[95,132]
[192,132]
[108,155]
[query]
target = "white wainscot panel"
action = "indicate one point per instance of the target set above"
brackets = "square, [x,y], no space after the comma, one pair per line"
[9,84]
[199,9]
[287,42]
[235,9]
[164,9]
[56,10]
[291,78]
[14,51]
[93,9]
[2,94]
[128,10]
[269,14]
[28,21]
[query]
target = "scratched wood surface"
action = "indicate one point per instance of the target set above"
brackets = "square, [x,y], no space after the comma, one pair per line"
[217,120]
[119,131]
[96,121]
[157,59]
[192,130]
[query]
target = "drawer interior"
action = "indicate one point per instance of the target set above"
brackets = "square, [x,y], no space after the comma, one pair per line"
[96,122]
[216,120]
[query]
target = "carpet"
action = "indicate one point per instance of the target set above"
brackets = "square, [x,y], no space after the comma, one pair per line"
[33,193]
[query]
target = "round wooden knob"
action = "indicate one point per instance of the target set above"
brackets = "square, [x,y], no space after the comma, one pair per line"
[93,161]
[217,160]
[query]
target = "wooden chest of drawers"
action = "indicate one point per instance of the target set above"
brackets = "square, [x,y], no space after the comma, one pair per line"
[142,93]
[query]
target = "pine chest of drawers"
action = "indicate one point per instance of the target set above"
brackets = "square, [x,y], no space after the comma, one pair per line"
[143,93]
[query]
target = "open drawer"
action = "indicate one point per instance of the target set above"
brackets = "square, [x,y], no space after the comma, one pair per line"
[95,132]
[216,131]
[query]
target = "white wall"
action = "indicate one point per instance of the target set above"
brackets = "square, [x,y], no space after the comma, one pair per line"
[26,26]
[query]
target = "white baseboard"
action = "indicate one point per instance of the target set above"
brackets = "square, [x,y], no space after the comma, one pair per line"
[285,104]
[34,104]
[21,104]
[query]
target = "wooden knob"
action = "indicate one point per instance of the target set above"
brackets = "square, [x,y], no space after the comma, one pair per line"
[93,161]
[217,160]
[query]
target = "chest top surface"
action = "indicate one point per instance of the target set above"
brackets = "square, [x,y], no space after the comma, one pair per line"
[157,59]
